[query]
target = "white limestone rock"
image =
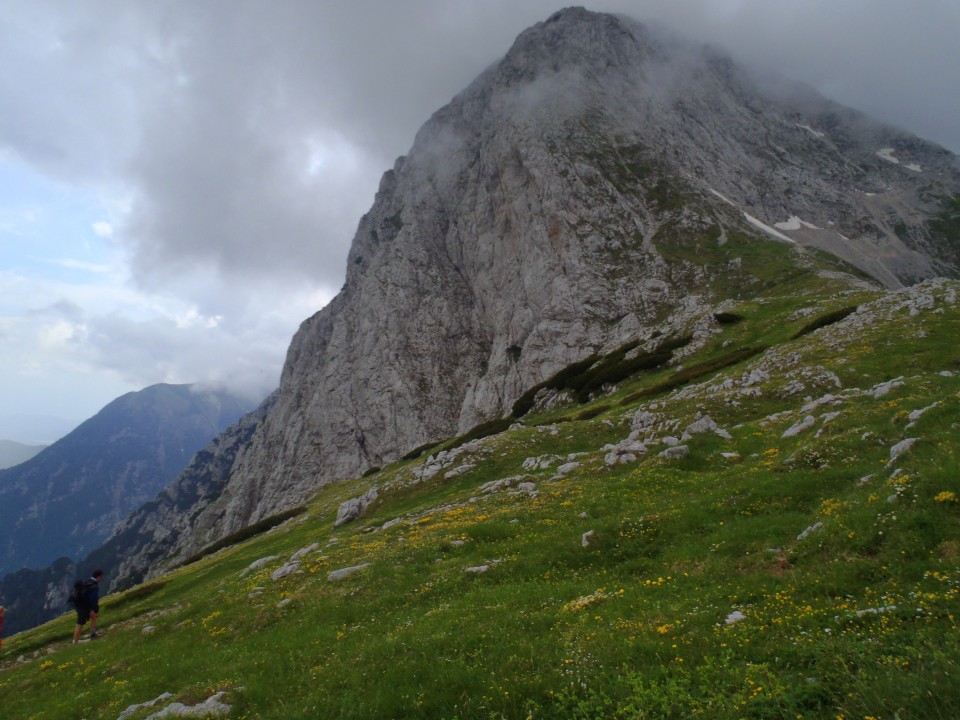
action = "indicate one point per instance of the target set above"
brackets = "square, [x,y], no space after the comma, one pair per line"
[286,569]
[213,706]
[677,452]
[335,575]
[257,564]
[799,427]
[901,447]
[133,709]
[568,468]
[353,508]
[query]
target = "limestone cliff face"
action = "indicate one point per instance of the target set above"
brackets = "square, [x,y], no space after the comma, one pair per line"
[533,222]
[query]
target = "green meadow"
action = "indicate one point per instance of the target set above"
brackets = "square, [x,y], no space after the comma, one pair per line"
[764,574]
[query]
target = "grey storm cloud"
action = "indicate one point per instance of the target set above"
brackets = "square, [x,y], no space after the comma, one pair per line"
[146,352]
[244,139]
[254,89]
[252,133]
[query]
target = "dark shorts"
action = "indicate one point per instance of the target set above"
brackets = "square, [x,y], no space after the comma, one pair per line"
[83,614]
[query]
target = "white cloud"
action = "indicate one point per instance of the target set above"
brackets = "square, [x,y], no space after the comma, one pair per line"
[82,265]
[57,335]
[103,229]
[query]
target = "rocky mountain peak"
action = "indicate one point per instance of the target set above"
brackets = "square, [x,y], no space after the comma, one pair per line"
[575,38]
[601,184]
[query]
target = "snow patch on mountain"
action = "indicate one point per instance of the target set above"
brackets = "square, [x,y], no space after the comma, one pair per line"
[795,223]
[887,154]
[767,229]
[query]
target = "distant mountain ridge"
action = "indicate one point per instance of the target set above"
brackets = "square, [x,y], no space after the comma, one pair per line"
[67,499]
[32,429]
[13,453]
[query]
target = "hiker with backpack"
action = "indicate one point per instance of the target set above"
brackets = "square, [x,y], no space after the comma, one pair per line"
[86,599]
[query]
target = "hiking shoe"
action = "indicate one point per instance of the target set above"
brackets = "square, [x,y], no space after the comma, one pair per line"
[93,634]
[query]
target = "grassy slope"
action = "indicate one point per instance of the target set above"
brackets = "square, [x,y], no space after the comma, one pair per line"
[856,620]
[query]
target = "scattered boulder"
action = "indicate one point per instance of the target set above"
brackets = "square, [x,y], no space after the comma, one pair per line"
[823,400]
[390,523]
[501,484]
[881,389]
[567,468]
[353,508]
[213,706]
[699,426]
[799,427]
[445,459]
[335,575]
[754,377]
[735,617]
[618,457]
[644,422]
[304,551]
[147,629]
[527,487]
[809,531]
[257,564]
[825,419]
[917,414]
[286,569]
[901,447]
[477,569]
[775,417]
[148,704]
[676,452]
[540,462]
[284,602]
[633,446]
[458,471]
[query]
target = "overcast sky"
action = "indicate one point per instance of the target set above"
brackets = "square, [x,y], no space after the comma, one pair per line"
[180,180]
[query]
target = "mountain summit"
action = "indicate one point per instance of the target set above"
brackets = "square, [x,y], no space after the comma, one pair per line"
[603,184]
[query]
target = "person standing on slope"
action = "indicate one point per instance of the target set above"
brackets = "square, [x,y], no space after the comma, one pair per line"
[87,603]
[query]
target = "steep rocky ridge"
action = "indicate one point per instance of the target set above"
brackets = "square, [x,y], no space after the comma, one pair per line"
[574,197]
